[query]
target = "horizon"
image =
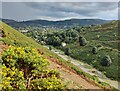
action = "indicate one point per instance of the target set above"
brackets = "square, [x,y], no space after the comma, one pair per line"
[59,20]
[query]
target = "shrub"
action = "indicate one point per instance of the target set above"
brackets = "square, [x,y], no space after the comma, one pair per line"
[67,51]
[50,48]
[94,50]
[106,61]
[25,68]
[82,41]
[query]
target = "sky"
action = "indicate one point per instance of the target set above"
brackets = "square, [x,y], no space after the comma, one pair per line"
[59,10]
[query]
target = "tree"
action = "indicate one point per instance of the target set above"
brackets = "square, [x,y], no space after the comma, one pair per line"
[53,40]
[82,41]
[94,50]
[70,36]
[106,60]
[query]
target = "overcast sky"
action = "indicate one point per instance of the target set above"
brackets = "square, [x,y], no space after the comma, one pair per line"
[59,11]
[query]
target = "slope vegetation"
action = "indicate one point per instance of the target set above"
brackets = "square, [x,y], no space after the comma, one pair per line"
[12,37]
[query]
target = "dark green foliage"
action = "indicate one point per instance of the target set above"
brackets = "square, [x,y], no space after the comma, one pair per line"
[94,50]
[67,51]
[54,40]
[50,48]
[82,41]
[106,61]
[70,36]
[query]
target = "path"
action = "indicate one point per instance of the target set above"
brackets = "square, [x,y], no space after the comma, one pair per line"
[88,69]
[74,81]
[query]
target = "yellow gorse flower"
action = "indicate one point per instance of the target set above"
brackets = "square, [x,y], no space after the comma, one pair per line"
[21,63]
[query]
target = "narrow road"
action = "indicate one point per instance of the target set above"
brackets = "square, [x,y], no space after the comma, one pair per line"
[74,81]
[88,69]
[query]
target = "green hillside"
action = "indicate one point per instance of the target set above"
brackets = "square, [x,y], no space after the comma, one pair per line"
[12,37]
[104,38]
[15,38]
[22,65]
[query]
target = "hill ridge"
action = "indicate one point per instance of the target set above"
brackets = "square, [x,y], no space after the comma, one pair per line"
[59,24]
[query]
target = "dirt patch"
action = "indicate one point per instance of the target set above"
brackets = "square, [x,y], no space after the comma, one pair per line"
[2,47]
[69,76]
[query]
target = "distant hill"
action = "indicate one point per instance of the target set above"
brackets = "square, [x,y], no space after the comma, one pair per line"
[56,24]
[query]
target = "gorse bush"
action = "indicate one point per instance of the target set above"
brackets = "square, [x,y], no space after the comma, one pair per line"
[25,68]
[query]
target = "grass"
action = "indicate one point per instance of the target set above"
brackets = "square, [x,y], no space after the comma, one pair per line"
[85,54]
[15,38]
[107,44]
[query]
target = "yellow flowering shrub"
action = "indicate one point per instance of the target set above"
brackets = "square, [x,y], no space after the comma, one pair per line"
[51,83]
[25,68]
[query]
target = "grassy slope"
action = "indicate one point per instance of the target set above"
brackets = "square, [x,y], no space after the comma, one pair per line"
[15,38]
[109,46]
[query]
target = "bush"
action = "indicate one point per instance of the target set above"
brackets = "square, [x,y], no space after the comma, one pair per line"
[50,48]
[25,68]
[94,50]
[82,41]
[67,51]
[106,61]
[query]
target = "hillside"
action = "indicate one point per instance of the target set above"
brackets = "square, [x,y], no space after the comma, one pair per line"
[55,24]
[106,40]
[103,39]
[12,37]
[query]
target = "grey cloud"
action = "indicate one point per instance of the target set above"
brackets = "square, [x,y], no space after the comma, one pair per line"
[82,8]
[58,10]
